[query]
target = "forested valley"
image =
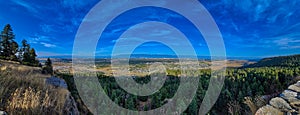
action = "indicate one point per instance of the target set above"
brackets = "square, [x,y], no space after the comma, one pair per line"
[245,89]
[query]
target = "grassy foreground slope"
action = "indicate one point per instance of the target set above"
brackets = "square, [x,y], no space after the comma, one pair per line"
[23,91]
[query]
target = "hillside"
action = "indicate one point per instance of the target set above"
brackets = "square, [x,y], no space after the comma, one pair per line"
[281,61]
[24,90]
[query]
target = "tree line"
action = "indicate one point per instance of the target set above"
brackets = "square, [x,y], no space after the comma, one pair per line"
[280,61]
[24,53]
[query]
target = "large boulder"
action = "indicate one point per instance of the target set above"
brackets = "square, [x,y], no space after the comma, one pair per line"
[280,104]
[288,102]
[289,95]
[268,110]
[3,113]
[55,81]
[294,88]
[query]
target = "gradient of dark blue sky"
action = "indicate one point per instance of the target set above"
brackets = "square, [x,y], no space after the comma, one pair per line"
[249,27]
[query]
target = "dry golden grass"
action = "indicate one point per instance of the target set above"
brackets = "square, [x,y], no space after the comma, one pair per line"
[31,101]
[234,108]
[254,104]
[251,104]
[23,91]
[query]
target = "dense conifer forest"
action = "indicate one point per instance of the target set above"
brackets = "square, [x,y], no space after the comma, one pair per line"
[244,91]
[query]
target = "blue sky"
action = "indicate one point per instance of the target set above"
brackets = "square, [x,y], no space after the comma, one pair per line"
[255,28]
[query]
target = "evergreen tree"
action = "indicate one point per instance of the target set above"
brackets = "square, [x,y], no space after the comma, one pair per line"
[48,62]
[48,69]
[33,60]
[193,107]
[24,49]
[27,55]
[13,51]
[8,46]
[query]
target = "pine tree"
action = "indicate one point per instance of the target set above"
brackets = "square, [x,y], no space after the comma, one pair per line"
[33,60]
[48,69]
[8,46]
[193,107]
[24,49]
[48,62]
[9,49]
[14,51]
[27,55]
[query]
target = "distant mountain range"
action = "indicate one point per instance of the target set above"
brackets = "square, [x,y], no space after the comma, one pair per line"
[156,56]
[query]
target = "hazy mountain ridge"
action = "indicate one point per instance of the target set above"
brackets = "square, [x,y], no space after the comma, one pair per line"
[280,61]
[154,56]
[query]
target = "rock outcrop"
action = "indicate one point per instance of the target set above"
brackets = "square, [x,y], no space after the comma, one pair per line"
[70,107]
[55,81]
[288,102]
[3,113]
